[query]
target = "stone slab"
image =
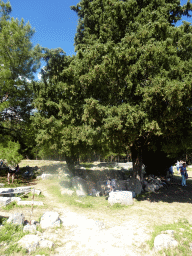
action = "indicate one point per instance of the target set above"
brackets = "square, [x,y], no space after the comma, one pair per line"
[30,203]
[10,199]
[4,201]
[45,176]
[121,197]
[17,190]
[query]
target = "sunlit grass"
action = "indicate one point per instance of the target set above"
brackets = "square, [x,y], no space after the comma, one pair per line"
[182,234]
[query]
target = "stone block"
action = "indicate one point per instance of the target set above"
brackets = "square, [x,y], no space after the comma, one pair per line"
[80,184]
[16,218]
[5,200]
[164,241]
[50,219]
[134,185]
[37,192]
[81,193]
[30,203]
[151,187]
[13,191]
[91,185]
[29,228]
[14,198]
[28,174]
[66,191]
[101,186]
[121,185]
[29,242]
[46,244]
[45,176]
[121,197]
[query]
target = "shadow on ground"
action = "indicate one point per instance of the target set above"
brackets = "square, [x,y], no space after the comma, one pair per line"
[18,181]
[173,192]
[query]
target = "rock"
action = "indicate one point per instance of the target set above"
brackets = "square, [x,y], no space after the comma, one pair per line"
[90,185]
[30,203]
[98,193]
[28,174]
[45,176]
[80,184]
[101,186]
[50,219]
[29,242]
[151,187]
[46,244]
[134,185]
[164,241]
[121,185]
[95,192]
[66,184]
[35,222]
[16,218]
[121,197]
[80,193]
[66,191]
[30,228]
[37,192]
[145,183]
[12,191]
[13,198]
[5,200]
[169,232]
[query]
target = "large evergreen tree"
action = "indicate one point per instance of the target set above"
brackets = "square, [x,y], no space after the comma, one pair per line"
[134,66]
[59,120]
[58,103]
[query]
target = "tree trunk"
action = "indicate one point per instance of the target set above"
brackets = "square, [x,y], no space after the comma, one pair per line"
[71,163]
[137,162]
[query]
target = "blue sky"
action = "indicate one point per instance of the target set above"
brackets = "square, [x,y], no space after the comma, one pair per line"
[53,20]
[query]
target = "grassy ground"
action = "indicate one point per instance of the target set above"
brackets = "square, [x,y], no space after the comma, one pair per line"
[168,208]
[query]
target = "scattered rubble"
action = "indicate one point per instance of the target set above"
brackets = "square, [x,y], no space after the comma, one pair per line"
[50,219]
[16,218]
[164,241]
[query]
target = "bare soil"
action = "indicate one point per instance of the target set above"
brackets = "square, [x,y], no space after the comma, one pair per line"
[105,232]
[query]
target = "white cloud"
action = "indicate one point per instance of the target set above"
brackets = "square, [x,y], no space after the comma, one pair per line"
[22,79]
[39,76]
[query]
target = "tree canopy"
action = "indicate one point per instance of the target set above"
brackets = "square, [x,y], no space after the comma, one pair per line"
[134,65]
[127,88]
[18,62]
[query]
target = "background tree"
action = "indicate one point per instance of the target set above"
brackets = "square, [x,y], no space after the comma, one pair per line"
[18,62]
[134,66]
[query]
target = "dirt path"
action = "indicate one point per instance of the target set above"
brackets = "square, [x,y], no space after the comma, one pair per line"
[122,232]
[82,235]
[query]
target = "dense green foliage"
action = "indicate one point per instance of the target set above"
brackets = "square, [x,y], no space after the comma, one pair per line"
[134,65]
[59,103]
[127,89]
[18,62]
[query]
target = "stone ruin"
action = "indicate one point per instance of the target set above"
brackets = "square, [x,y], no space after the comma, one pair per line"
[94,183]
